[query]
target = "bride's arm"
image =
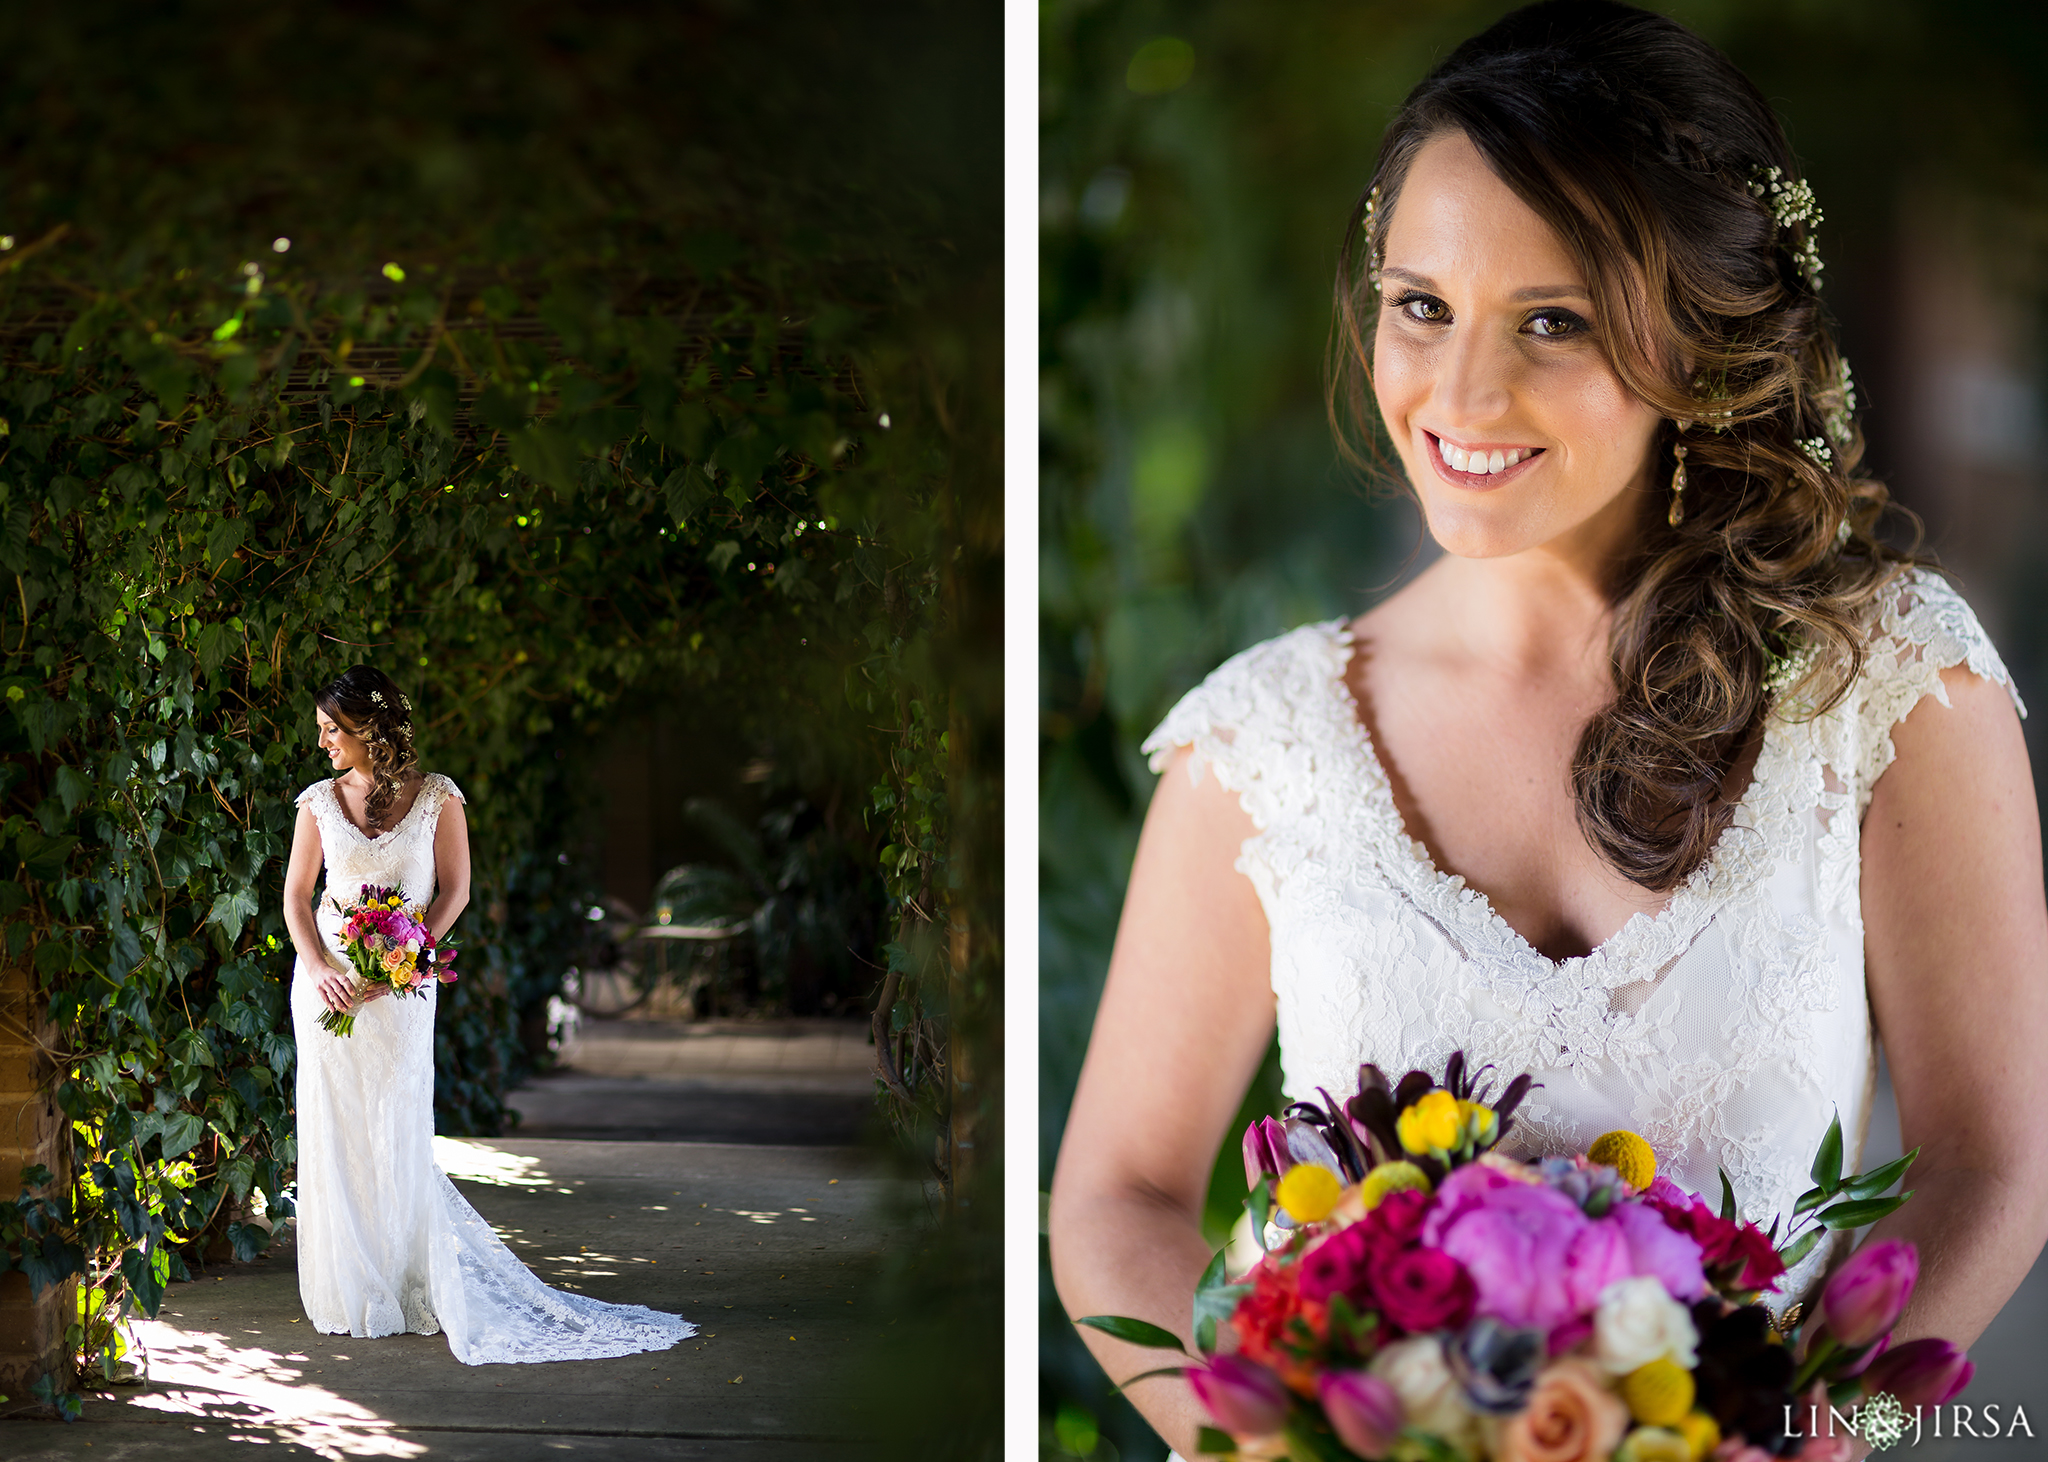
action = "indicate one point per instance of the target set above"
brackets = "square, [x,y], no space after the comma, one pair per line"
[451,868]
[337,985]
[1956,941]
[1185,1018]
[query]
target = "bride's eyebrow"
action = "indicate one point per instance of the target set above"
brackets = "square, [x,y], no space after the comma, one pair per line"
[1521,296]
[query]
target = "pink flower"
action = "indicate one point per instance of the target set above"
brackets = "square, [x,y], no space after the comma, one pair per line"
[1363,1410]
[1869,1292]
[1423,1289]
[1337,1265]
[1926,1372]
[1655,1248]
[1245,1398]
[1536,1259]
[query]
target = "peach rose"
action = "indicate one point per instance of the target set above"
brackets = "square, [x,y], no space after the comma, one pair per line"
[1571,1416]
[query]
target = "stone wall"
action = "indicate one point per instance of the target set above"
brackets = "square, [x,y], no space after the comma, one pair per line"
[32,1131]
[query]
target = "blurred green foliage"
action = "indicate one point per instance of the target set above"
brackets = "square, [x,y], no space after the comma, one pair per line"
[1198,160]
[551,357]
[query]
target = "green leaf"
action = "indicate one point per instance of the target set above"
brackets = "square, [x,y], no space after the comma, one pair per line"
[232,909]
[1811,1198]
[1212,1442]
[1148,1375]
[1136,1332]
[181,1133]
[216,643]
[1858,1212]
[1216,1299]
[1259,1204]
[545,452]
[224,539]
[1870,1184]
[1799,1248]
[1727,1195]
[143,1282]
[1827,1162]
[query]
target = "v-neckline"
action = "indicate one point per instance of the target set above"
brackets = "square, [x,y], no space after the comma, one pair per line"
[334,791]
[1676,923]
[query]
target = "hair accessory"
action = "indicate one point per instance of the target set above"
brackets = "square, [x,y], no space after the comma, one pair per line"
[1372,243]
[1677,513]
[1838,415]
[1817,448]
[377,696]
[1791,203]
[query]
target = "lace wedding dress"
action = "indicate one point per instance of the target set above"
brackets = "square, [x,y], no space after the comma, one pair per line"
[1728,1029]
[386,1244]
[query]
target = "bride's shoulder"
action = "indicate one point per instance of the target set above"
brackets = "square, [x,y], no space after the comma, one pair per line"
[1276,689]
[1917,627]
[317,796]
[441,788]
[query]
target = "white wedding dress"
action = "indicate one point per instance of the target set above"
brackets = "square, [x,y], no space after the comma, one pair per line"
[385,1242]
[1727,1030]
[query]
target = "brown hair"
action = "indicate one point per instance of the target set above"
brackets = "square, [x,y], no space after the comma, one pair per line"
[1638,142]
[368,704]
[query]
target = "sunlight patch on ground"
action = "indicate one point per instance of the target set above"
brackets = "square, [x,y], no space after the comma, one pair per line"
[476,1162]
[203,1376]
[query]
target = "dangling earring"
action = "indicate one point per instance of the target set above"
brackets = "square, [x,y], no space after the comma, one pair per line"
[1677,513]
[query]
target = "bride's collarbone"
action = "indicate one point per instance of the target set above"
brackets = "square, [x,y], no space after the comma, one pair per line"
[354,803]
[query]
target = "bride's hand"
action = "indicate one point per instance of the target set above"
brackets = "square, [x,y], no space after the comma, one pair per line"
[337,989]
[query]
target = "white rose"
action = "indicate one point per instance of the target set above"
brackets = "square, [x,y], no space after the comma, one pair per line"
[412,946]
[1637,1321]
[1429,1393]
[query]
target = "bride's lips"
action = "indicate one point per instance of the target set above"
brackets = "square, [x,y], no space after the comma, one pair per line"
[1479,481]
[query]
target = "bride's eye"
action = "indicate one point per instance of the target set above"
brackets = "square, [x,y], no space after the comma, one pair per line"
[1556,324]
[1424,309]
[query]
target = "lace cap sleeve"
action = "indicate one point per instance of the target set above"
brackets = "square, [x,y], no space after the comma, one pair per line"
[1922,628]
[442,788]
[315,795]
[1260,716]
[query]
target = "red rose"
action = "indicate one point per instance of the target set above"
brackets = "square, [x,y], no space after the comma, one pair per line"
[1398,1219]
[1422,1289]
[1722,1241]
[1337,1266]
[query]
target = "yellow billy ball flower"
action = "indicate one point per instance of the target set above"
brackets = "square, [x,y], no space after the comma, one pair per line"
[1654,1444]
[1628,1155]
[1309,1192]
[1701,1432]
[1431,1123]
[1658,1394]
[1391,1177]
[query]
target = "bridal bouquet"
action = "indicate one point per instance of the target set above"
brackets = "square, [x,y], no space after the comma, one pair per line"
[1424,1298]
[389,944]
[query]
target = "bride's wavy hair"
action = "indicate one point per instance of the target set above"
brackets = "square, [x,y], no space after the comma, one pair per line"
[365,702]
[1637,142]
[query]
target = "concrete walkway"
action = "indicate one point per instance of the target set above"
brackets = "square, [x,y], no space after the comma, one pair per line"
[801,1083]
[772,1250]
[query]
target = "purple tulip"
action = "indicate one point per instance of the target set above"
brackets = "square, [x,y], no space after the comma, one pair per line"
[1265,1151]
[1363,1410]
[1869,1292]
[1243,1397]
[1920,1373]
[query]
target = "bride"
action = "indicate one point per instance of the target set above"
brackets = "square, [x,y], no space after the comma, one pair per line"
[1668,782]
[386,1244]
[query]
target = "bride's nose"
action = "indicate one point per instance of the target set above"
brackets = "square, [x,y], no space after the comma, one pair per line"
[1473,380]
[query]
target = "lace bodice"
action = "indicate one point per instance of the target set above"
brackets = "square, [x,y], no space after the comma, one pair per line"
[401,857]
[1727,1029]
